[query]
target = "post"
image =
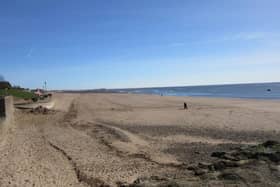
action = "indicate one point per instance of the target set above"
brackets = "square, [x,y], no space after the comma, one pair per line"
[2,107]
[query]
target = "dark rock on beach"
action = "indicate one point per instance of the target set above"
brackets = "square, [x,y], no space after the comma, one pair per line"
[256,165]
[41,110]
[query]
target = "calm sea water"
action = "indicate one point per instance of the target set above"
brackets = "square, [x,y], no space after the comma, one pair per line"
[253,91]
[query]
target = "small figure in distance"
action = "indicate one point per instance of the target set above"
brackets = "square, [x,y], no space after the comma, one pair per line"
[185,106]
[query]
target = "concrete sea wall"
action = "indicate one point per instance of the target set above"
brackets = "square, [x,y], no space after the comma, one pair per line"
[2,107]
[6,114]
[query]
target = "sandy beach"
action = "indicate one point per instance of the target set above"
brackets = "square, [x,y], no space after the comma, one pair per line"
[113,139]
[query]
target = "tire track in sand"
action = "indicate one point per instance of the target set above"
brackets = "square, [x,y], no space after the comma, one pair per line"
[81,177]
[126,144]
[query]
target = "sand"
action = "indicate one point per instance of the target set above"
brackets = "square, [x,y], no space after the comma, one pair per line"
[95,139]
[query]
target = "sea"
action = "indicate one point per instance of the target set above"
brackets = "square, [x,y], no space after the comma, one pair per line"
[248,91]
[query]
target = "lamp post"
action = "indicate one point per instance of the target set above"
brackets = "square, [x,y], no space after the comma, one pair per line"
[45,85]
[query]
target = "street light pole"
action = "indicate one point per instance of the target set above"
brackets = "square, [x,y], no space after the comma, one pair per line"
[45,84]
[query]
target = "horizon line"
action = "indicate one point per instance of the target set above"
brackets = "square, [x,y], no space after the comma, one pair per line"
[223,84]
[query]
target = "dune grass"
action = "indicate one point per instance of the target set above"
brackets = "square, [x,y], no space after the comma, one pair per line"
[17,93]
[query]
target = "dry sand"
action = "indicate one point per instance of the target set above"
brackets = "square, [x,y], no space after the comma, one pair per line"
[93,139]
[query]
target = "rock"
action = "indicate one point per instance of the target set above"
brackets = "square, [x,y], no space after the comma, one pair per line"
[230,176]
[231,157]
[243,162]
[40,110]
[155,181]
[157,178]
[223,164]
[200,171]
[271,143]
[220,165]
[218,154]
[211,168]
[204,165]
[242,155]
[192,167]
[274,157]
[242,166]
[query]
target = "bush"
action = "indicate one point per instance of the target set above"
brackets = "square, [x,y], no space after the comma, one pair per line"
[35,99]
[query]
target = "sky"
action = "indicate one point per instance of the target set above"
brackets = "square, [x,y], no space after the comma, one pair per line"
[90,44]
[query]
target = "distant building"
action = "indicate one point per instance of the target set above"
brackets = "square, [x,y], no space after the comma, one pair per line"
[5,84]
[39,92]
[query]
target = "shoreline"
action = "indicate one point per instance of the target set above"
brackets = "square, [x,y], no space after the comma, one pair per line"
[191,96]
[258,91]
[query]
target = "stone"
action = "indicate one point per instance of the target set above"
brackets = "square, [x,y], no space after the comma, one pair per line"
[204,165]
[200,171]
[230,176]
[220,165]
[218,154]
[270,143]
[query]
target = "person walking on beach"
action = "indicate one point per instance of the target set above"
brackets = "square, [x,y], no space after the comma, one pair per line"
[185,106]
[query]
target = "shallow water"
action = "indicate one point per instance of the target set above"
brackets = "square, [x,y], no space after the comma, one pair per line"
[253,91]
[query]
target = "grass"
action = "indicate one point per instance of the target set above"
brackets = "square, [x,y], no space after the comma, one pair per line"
[17,93]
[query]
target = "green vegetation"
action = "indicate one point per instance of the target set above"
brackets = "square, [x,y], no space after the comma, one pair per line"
[19,93]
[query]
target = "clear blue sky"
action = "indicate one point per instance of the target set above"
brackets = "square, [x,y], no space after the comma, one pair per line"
[138,43]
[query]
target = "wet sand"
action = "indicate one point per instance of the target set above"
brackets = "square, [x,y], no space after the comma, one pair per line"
[95,139]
